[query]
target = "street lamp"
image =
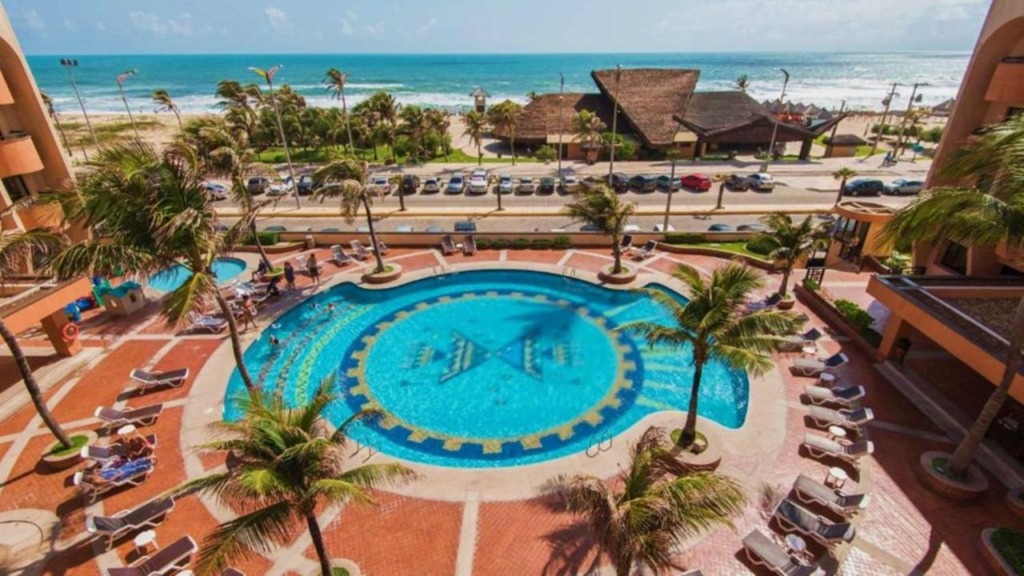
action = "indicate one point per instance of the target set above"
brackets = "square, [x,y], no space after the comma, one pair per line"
[914,97]
[881,126]
[120,88]
[775,128]
[268,75]
[68,64]
[561,114]
[615,123]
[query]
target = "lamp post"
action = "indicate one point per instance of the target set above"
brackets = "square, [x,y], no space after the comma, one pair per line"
[561,114]
[881,126]
[914,96]
[674,156]
[775,128]
[69,64]
[615,123]
[268,75]
[120,88]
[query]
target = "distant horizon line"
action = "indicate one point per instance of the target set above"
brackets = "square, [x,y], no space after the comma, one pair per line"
[418,54]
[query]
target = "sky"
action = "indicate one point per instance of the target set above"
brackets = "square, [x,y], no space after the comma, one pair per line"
[480,26]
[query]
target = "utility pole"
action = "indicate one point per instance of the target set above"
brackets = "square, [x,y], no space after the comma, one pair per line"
[69,64]
[120,88]
[668,201]
[268,75]
[842,108]
[910,108]
[775,128]
[561,124]
[615,123]
[881,126]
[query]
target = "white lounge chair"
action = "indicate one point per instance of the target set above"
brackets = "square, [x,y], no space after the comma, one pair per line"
[448,245]
[114,418]
[792,516]
[339,256]
[769,302]
[168,560]
[815,366]
[648,250]
[132,473]
[148,380]
[382,248]
[111,452]
[626,244]
[469,245]
[811,491]
[208,323]
[819,446]
[799,341]
[147,515]
[846,397]
[763,551]
[853,419]
[359,250]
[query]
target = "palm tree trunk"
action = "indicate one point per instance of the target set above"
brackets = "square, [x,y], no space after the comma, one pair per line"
[318,543]
[965,452]
[499,199]
[784,287]
[617,253]
[512,144]
[236,343]
[479,154]
[178,116]
[32,386]
[259,245]
[839,195]
[373,237]
[690,428]
[348,124]
[721,192]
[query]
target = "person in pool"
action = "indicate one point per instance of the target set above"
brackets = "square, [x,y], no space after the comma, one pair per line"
[274,341]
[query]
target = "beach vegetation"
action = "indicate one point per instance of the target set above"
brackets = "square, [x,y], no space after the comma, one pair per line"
[546,153]
[625,149]
[742,82]
[587,128]
[504,118]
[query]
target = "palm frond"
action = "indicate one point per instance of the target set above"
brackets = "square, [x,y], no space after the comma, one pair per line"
[255,532]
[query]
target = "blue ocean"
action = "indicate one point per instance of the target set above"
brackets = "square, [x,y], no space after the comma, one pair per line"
[445,81]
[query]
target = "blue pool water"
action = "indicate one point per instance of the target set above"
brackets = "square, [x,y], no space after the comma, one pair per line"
[172,278]
[483,369]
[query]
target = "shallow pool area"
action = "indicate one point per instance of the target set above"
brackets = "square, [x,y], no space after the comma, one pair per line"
[170,279]
[484,368]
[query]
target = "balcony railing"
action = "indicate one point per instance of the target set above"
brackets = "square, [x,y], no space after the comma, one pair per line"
[18,156]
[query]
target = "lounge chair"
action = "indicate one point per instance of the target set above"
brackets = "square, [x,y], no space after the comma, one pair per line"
[815,366]
[131,474]
[147,515]
[768,302]
[361,252]
[763,551]
[853,418]
[114,418]
[382,248]
[845,397]
[811,491]
[469,245]
[208,323]
[799,341]
[148,380]
[167,560]
[819,446]
[110,452]
[626,244]
[646,251]
[448,245]
[339,256]
[792,516]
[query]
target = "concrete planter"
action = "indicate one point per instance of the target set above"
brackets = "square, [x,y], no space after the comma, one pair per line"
[627,275]
[786,304]
[350,566]
[65,461]
[385,277]
[968,489]
[824,309]
[992,556]
[1015,498]
[707,461]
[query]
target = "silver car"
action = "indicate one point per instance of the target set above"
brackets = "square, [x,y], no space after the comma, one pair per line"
[526,186]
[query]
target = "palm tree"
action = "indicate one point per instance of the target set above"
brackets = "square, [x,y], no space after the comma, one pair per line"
[440,121]
[603,209]
[52,113]
[287,462]
[154,212]
[16,248]
[346,179]
[843,174]
[989,213]
[720,178]
[587,128]
[475,126]
[504,116]
[336,80]
[162,99]
[395,182]
[653,505]
[790,242]
[710,323]
[742,82]
[415,125]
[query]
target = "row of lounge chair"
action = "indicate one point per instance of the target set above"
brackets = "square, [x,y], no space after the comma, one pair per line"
[359,252]
[644,252]
[168,560]
[448,245]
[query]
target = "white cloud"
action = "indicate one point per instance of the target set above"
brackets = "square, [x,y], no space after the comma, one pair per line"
[101,26]
[426,27]
[277,19]
[69,25]
[375,29]
[347,28]
[33,21]
[156,24]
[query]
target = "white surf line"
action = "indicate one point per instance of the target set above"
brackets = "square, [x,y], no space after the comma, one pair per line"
[468,535]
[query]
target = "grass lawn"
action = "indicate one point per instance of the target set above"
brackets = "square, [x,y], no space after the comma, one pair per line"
[737,247]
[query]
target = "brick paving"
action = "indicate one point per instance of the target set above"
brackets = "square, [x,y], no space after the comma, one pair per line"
[906,528]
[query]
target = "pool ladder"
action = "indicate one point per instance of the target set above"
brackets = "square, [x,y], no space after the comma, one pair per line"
[569,272]
[603,444]
[439,270]
[370,452]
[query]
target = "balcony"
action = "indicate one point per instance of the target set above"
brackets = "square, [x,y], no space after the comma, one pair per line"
[18,156]
[5,91]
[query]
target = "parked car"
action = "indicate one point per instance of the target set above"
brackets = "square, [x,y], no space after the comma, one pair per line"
[660,228]
[903,186]
[331,230]
[465,226]
[505,184]
[382,183]
[619,182]
[257,185]
[588,228]
[665,182]
[279,189]
[433,229]
[457,184]
[275,229]
[698,182]
[737,183]
[761,181]
[752,227]
[478,183]
[719,228]
[432,185]
[216,191]
[306,185]
[526,186]
[404,228]
[547,185]
[410,184]
[644,183]
[863,187]
[570,184]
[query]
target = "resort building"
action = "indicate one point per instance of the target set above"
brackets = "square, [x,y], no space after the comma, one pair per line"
[31,159]
[660,109]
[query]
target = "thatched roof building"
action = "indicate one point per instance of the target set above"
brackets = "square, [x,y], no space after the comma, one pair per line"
[542,118]
[648,99]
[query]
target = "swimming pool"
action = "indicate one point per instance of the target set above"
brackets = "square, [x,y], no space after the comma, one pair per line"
[485,368]
[170,279]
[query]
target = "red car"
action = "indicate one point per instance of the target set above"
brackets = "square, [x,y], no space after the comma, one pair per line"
[698,182]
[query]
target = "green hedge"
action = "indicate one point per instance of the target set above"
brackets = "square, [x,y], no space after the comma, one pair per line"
[499,244]
[541,244]
[685,238]
[561,243]
[1010,544]
[762,245]
[520,244]
[484,243]
[859,319]
[266,239]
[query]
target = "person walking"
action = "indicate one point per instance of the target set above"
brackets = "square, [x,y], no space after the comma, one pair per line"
[248,313]
[289,276]
[314,270]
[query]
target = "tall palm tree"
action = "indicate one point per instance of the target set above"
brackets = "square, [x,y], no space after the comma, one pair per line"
[336,80]
[475,126]
[287,463]
[653,505]
[843,174]
[790,242]
[154,212]
[603,209]
[345,179]
[742,82]
[587,128]
[440,121]
[988,213]
[504,116]
[415,125]
[710,323]
[15,249]
[52,113]
[165,104]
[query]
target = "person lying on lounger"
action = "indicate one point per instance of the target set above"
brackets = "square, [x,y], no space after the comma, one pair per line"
[125,469]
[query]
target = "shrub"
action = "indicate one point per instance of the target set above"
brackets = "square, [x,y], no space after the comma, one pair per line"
[484,243]
[541,244]
[520,244]
[932,135]
[859,319]
[546,153]
[266,239]
[811,284]
[685,238]
[561,243]
[1010,544]
[762,245]
[499,244]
